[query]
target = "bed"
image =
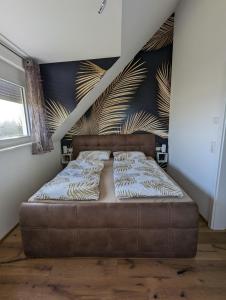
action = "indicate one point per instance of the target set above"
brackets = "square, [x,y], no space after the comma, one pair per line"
[153,227]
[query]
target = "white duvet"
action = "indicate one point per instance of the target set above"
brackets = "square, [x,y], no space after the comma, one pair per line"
[78,181]
[142,178]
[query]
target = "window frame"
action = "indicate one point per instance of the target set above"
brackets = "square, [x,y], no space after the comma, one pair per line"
[17,141]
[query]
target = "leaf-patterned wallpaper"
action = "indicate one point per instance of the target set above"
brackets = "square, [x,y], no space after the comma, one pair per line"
[138,100]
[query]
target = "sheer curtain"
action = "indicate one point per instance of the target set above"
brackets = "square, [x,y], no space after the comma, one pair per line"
[41,140]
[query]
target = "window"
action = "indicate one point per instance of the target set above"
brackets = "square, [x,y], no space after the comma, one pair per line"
[13,112]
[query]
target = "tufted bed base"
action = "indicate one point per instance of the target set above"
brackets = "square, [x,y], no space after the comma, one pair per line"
[109,227]
[114,229]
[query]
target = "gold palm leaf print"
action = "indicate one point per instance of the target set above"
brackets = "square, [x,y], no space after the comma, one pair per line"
[86,126]
[109,109]
[163,37]
[122,168]
[42,196]
[155,174]
[143,122]
[76,129]
[82,191]
[56,114]
[88,76]
[145,169]
[163,77]
[113,103]
[124,193]
[57,181]
[166,189]
[125,180]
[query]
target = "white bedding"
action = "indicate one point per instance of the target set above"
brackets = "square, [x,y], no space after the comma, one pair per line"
[107,191]
[78,181]
[142,178]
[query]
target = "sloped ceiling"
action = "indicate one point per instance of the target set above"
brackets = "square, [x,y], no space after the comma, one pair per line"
[56,30]
[140,20]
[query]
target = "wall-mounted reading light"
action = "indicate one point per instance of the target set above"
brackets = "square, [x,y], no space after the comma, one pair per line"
[102,6]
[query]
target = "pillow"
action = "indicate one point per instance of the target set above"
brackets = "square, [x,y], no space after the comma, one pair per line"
[94,155]
[125,155]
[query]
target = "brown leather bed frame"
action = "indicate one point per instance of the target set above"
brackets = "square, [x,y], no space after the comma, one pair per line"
[95,228]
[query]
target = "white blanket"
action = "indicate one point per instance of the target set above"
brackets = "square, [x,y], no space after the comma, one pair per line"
[142,178]
[78,181]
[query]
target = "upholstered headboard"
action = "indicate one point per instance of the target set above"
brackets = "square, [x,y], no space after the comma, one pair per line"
[137,142]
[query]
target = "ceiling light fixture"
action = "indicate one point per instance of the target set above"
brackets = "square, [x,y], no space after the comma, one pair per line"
[102,6]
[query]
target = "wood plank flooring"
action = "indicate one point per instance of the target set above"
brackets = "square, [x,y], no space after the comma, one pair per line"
[202,278]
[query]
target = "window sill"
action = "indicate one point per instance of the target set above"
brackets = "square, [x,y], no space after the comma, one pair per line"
[10,144]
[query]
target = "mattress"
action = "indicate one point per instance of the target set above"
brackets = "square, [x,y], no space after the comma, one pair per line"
[107,191]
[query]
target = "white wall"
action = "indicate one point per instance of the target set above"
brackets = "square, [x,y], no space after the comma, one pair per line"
[140,20]
[218,220]
[21,173]
[198,98]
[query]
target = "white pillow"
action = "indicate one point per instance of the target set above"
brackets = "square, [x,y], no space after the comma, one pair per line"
[94,155]
[125,155]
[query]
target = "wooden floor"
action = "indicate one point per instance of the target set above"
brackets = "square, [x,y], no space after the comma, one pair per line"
[202,278]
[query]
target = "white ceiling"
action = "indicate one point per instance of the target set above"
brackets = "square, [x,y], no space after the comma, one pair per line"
[57,30]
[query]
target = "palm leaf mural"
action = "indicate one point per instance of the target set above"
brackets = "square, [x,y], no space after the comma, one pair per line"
[108,112]
[163,77]
[163,37]
[114,101]
[143,121]
[86,126]
[88,76]
[109,109]
[56,114]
